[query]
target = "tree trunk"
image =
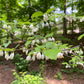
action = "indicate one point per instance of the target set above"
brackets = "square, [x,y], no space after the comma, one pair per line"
[72,18]
[64,20]
[7,8]
[29,7]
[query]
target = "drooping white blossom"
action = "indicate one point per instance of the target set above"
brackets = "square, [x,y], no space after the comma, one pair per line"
[42,56]
[46,58]
[33,42]
[60,55]
[4,26]
[24,27]
[26,52]
[11,56]
[1,53]
[68,66]
[28,58]
[51,23]
[39,56]
[44,41]
[53,39]
[9,27]
[17,33]
[45,17]
[31,26]
[49,39]
[79,63]
[47,24]
[31,33]
[37,41]
[7,57]
[33,58]
[35,53]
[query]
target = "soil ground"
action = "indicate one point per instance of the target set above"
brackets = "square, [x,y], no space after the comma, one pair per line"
[6,73]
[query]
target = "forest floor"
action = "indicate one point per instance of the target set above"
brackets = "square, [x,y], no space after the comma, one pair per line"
[6,73]
[51,69]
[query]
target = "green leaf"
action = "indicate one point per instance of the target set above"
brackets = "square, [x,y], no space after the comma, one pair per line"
[80,37]
[6,44]
[37,14]
[51,53]
[27,43]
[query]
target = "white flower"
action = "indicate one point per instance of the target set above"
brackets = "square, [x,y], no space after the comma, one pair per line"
[31,26]
[68,66]
[31,33]
[60,55]
[51,23]
[7,57]
[37,41]
[53,39]
[81,51]
[39,55]
[42,56]
[11,56]
[47,24]
[26,52]
[44,41]
[46,58]
[1,53]
[33,42]
[17,33]
[33,58]
[45,17]
[49,39]
[66,52]
[28,58]
[79,63]
[35,53]
[9,27]
[4,26]
[81,20]
[24,27]
[43,25]
[35,30]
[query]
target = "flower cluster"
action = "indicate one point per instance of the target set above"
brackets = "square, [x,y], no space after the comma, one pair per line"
[17,33]
[60,55]
[7,56]
[8,27]
[36,55]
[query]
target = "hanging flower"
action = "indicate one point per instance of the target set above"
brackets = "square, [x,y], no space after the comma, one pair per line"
[1,53]
[37,41]
[68,66]
[42,56]
[47,24]
[28,58]
[9,27]
[31,26]
[51,23]
[33,42]
[17,33]
[26,52]
[79,63]
[49,39]
[60,55]
[53,39]
[39,55]
[45,17]
[35,53]
[7,57]
[24,27]
[44,41]
[11,56]
[33,58]
[4,26]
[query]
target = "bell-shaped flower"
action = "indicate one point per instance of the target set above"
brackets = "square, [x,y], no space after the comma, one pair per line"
[53,39]
[4,26]
[49,39]
[7,57]
[35,53]
[28,58]
[33,58]
[1,53]
[24,27]
[44,41]
[39,56]
[11,56]
[26,52]
[60,55]
[33,42]
[68,66]
[47,24]
[31,26]
[45,17]
[37,41]
[17,33]
[51,23]
[42,56]
[9,27]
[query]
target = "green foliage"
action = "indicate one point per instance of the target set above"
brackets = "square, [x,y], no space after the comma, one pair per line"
[58,75]
[21,63]
[27,79]
[80,37]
